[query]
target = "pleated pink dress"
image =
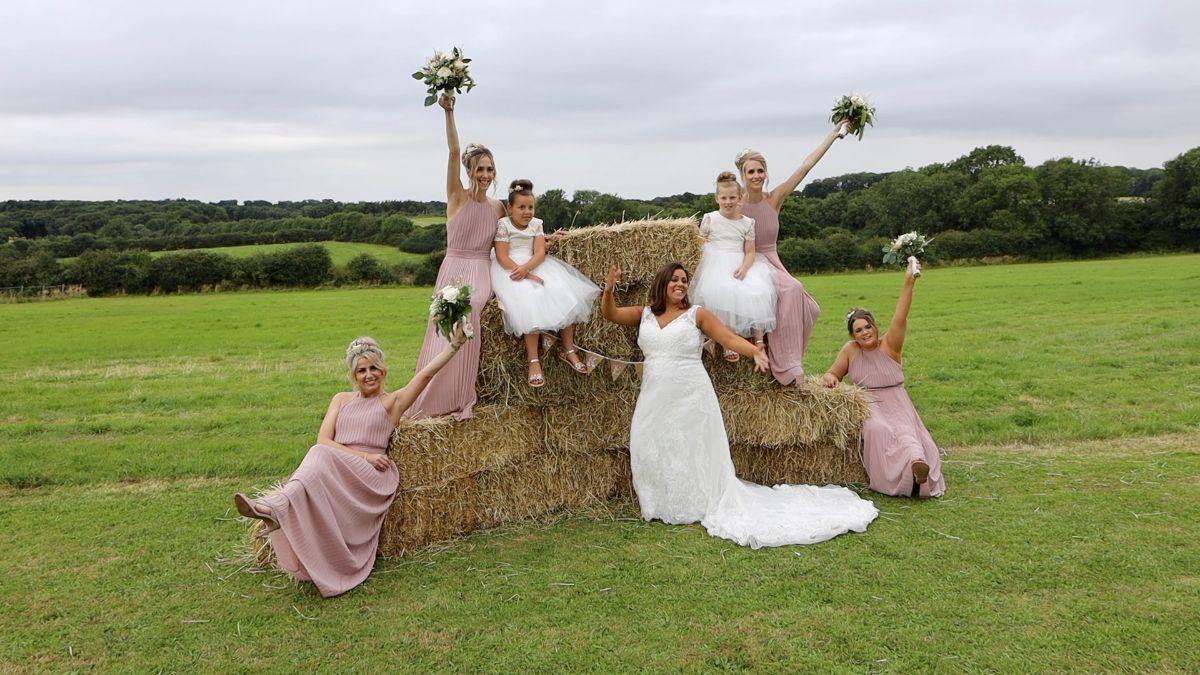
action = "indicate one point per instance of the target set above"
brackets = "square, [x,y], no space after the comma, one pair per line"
[796,311]
[894,436]
[331,510]
[469,236]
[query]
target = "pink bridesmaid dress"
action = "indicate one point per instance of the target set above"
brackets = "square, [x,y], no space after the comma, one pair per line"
[469,236]
[796,311]
[894,436]
[331,510]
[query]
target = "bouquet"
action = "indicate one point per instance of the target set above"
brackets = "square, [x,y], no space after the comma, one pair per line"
[451,304]
[445,73]
[905,249]
[855,110]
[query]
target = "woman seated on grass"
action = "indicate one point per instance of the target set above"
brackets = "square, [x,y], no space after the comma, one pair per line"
[324,524]
[898,452]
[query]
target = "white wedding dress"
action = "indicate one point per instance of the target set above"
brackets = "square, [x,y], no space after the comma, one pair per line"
[682,470]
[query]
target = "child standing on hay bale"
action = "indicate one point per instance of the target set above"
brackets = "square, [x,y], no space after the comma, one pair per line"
[898,453]
[678,448]
[537,292]
[470,227]
[796,311]
[730,281]
[324,523]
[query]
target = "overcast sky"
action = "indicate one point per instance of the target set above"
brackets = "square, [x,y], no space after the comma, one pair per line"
[300,99]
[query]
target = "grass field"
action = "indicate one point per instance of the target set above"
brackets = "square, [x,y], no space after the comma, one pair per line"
[1066,395]
[431,219]
[340,251]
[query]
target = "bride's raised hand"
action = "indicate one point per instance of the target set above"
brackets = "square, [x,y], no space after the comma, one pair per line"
[447,102]
[614,276]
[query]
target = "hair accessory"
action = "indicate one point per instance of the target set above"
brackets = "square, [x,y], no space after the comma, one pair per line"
[471,148]
[516,188]
[850,314]
[743,154]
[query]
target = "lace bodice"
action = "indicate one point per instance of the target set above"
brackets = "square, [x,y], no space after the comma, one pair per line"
[679,340]
[519,241]
[726,234]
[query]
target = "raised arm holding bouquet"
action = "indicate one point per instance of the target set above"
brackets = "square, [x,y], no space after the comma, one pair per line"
[856,112]
[470,228]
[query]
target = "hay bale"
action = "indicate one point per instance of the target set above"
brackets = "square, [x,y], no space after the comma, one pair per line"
[589,425]
[504,369]
[786,416]
[639,247]
[539,485]
[798,464]
[436,450]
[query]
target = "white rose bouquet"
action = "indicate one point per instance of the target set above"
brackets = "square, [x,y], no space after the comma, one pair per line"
[855,110]
[450,305]
[905,249]
[445,73]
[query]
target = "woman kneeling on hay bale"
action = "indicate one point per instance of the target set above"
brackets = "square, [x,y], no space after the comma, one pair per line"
[898,453]
[324,524]
[678,448]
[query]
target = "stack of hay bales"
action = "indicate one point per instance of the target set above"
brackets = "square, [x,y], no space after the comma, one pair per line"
[528,452]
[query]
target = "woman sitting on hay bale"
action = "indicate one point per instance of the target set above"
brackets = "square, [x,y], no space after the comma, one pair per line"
[470,229]
[678,448]
[898,453]
[538,292]
[324,523]
[796,311]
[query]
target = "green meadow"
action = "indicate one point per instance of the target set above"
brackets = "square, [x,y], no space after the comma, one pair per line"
[340,251]
[1067,397]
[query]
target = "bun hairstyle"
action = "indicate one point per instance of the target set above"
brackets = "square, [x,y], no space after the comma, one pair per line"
[471,157]
[368,348]
[520,186]
[856,314]
[728,179]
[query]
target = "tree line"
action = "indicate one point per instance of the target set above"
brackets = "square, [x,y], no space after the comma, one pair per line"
[986,204]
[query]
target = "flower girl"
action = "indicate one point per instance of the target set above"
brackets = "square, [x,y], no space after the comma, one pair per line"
[537,292]
[729,281]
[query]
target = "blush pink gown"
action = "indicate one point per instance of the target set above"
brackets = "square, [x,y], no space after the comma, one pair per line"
[796,311]
[469,236]
[331,510]
[894,436]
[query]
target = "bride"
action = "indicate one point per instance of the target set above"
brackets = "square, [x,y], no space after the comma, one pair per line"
[682,470]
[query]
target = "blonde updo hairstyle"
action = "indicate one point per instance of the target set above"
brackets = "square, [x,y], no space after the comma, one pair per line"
[470,160]
[747,155]
[728,179]
[365,348]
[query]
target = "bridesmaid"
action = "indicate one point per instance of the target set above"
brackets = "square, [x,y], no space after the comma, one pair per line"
[796,311]
[324,524]
[898,452]
[470,228]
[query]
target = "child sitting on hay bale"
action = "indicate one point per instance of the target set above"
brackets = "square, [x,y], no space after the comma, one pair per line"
[729,281]
[536,291]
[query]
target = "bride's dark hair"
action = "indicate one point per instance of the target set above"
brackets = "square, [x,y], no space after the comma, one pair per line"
[658,288]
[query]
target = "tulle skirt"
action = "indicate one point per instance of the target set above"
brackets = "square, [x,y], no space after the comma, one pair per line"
[744,305]
[566,298]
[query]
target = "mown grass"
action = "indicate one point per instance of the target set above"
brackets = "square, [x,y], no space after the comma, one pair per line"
[1066,394]
[1076,558]
[340,251]
[429,219]
[118,386]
